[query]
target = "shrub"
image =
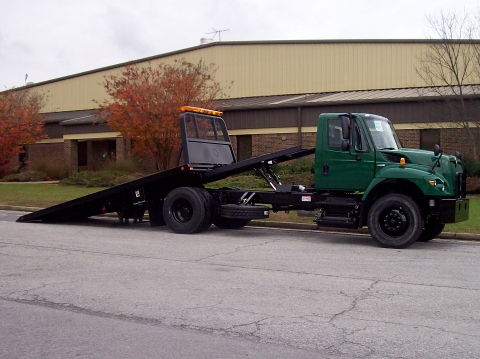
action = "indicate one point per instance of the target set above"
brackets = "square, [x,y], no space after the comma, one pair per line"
[128,165]
[99,179]
[54,170]
[298,166]
[26,176]
[471,167]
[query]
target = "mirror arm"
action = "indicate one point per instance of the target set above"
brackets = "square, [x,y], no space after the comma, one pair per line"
[437,152]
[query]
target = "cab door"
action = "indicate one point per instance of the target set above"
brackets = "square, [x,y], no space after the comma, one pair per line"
[350,170]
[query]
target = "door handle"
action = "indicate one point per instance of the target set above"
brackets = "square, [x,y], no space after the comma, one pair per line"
[326,169]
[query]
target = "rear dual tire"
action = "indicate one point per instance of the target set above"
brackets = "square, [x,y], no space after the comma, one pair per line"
[188,210]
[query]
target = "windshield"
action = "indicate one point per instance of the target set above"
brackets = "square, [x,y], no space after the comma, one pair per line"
[383,133]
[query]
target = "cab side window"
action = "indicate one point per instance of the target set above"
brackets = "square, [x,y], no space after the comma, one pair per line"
[359,140]
[334,132]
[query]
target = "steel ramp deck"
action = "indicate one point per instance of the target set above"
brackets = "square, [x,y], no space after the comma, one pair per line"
[155,187]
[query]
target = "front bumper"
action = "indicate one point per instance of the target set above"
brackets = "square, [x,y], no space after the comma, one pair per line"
[454,210]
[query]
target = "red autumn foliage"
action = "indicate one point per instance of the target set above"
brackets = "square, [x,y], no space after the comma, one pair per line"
[144,103]
[20,123]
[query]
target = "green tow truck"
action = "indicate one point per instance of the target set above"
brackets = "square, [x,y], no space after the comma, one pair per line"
[401,194]
[363,177]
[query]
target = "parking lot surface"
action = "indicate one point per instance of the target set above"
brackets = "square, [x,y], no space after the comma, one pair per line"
[101,289]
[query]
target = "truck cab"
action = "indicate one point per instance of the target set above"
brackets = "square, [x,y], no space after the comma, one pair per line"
[360,156]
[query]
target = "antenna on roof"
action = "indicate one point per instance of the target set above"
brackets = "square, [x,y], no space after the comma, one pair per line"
[219,32]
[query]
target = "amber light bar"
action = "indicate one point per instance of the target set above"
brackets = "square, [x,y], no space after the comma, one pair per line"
[201,110]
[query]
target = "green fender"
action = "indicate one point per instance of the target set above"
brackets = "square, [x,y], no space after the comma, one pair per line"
[419,177]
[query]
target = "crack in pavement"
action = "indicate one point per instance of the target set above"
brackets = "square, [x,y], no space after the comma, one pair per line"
[335,349]
[356,299]
[26,292]
[237,249]
[163,321]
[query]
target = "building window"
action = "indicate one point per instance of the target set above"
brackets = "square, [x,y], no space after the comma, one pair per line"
[244,147]
[82,154]
[429,138]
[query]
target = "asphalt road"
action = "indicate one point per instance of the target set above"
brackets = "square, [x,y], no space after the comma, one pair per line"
[98,289]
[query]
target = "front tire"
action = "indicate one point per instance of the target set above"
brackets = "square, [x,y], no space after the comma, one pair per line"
[395,221]
[432,230]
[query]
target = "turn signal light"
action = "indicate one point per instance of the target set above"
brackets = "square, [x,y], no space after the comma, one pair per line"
[402,162]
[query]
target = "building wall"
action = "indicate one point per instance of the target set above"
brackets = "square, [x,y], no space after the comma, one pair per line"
[410,138]
[269,68]
[52,152]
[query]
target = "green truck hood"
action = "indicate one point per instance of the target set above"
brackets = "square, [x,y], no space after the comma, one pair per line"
[419,161]
[425,158]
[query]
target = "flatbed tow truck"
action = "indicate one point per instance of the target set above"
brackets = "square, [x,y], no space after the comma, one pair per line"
[363,177]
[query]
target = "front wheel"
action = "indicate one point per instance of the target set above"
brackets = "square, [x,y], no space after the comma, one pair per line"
[432,230]
[395,221]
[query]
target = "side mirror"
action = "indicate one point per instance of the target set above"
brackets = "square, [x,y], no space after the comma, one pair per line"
[345,127]
[437,150]
[345,145]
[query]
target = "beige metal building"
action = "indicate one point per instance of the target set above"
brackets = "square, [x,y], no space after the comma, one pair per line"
[279,89]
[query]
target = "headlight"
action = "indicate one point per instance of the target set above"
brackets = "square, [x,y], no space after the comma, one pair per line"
[438,183]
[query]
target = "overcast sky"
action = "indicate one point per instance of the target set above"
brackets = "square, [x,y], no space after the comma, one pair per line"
[47,39]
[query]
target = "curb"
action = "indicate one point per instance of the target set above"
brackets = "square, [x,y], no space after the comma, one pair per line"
[31,182]
[360,231]
[298,226]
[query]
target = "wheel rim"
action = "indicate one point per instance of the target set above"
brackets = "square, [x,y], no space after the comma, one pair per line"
[393,222]
[182,211]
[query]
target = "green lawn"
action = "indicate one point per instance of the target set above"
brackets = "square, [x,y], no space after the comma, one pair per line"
[44,195]
[40,195]
[473,223]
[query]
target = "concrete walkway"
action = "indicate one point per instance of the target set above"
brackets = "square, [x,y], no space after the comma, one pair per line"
[31,182]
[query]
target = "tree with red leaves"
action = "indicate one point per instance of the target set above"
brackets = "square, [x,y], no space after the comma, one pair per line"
[20,123]
[144,103]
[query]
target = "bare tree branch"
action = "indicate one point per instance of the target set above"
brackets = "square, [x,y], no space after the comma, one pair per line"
[452,62]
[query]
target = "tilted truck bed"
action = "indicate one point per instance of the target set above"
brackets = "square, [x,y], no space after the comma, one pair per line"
[146,191]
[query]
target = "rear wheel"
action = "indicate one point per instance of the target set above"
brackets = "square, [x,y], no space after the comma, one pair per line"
[395,221]
[209,207]
[185,210]
[432,230]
